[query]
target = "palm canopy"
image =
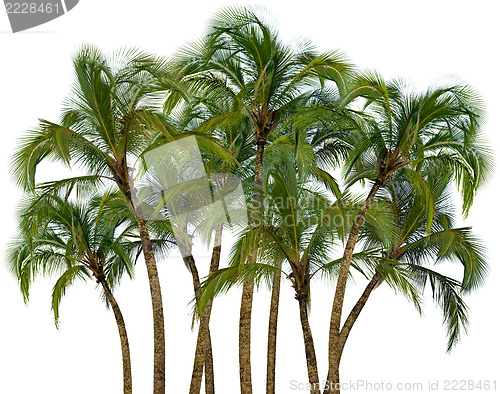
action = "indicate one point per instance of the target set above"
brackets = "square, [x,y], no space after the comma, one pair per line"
[105,118]
[243,63]
[73,240]
[436,130]
[200,113]
[300,225]
[407,258]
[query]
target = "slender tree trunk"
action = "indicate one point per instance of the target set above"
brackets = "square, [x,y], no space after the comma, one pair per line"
[272,334]
[127,367]
[191,264]
[157,304]
[154,287]
[356,310]
[247,293]
[244,335]
[209,360]
[333,385]
[334,350]
[209,366]
[312,367]
[203,355]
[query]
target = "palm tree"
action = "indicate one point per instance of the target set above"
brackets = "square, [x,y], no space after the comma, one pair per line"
[105,124]
[76,241]
[225,151]
[234,138]
[408,132]
[243,61]
[403,262]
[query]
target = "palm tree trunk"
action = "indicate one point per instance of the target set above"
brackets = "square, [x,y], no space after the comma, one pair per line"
[244,335]
[272,334]
[209,366]
[333,383]
[157,304]
[312,367]
[127,367]
[338,301]
[356,310]
[209,360]
[203,354]
[191,264]
[247,293]
[154,285]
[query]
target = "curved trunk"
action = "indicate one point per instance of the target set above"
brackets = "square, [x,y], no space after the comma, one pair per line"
[334,350]
[203,354]
[356,310]
[127,367]
[312,367]
[191,264]
[333,384]
[247,293]
[272,334]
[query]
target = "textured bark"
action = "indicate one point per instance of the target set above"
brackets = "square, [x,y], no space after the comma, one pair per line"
[191,264]
[157,304]
[209,360]
[333,385]
[356,310]
[209,366]
[203,354]
[127,367]
[312,367]
[272,335]
[338,301]
[244,336]
[247,293]
[127,185]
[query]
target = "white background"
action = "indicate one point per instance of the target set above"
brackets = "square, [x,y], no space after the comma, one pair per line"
[421,40]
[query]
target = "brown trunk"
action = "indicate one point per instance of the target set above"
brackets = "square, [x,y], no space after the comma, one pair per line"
[157,304]
[203,354]
[272,334]
[191,264]
[338,301]
[333,383]
[247,293]
[209,366]
[127,367]
[244,336]
[154,287]
[356,310]
[312,367]
[209,360]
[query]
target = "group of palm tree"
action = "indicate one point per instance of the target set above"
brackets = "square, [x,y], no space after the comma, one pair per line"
[287,121]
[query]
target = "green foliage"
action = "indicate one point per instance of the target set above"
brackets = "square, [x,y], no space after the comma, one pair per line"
[237,87]
[405,263]
[107,115]
[437,130]
[72,241]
